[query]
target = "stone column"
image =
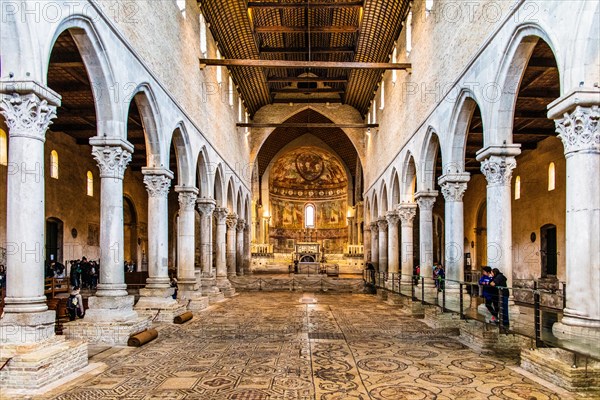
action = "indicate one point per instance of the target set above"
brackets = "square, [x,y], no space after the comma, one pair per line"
[350,230]
[156,299]
[426,200]
[453,188]
[383,244]
[577,116]
[393,253]
[206,206]
[220,214]
[407,213]
[26,317]
[247,248]
[367,244]
[239,248]
[186,238]
[374,244]
[231,243]
[35,356]
[158,181]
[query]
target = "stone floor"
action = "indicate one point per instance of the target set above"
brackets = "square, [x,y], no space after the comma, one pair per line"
[268,346]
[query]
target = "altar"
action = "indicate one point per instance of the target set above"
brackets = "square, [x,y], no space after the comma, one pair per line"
[308,253]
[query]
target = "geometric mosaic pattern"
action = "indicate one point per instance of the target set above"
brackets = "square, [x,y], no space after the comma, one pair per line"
[269,346]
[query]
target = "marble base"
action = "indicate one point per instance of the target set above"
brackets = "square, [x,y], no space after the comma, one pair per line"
[36,365]
[228,292]
[215,297]
[561,368]
[431,293]
[435,318]
[193,300]
[159,309]
[567,331]
[27,328]
[484,336]
[111,333]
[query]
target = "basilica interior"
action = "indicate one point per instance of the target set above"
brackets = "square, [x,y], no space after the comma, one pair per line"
[299,199]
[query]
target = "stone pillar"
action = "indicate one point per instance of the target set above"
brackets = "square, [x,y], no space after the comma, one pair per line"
[367,244]
[266,229]
[158,181]
[239,248]
[35,356]
[220,214]
[383,244]
[205,276]
[156,299]
[231,243]
[186,238]
[497,165]
[393,253]
[407,213]
[577,116]
[350,230]
[247,248]
[453,188]
[426,200]
[374,244]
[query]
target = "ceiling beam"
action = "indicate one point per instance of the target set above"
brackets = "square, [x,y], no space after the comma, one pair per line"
[277,79]
[312,4]
[315,90]
[299,64]
[306,29]
[305,50]
[309,100]
[306,125]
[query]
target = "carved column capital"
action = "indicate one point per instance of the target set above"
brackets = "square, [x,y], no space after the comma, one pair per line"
[187,198]
[373,226]
[579,130]
[157,181]
[220,213]
[27,115]
[498,169]
[241,225]
[205,206]
[382,225]
[407,212]
[426,200]
[231,221]
[454,186]
[392,218]
[112,160]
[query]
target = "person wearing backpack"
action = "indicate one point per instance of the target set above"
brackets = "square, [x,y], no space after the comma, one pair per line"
[75,304]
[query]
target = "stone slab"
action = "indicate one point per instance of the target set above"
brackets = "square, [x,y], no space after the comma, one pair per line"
[114,333]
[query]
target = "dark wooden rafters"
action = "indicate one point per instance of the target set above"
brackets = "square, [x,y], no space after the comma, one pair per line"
[265,45]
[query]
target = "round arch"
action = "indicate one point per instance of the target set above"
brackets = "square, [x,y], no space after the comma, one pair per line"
[409,179]
[149,113]
[431,147]
[459,124]
[218,187]
[181,142]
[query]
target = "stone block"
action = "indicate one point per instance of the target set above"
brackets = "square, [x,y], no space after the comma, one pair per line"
[24,328]
[111,333]
[563,369]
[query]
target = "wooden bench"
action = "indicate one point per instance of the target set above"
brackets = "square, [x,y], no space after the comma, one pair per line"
[54,286]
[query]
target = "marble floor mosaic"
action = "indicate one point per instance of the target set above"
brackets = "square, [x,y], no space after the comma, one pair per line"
[272,346]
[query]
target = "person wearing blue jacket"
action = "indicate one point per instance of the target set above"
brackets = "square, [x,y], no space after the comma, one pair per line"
[489,292]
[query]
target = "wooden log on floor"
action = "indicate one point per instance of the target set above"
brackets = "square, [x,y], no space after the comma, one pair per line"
[186,316]
[142,338]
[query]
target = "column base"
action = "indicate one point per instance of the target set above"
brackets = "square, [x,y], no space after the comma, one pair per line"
[158,283]
[453,299]
[430,292]
[189,285]
[450,322]
[27,328]
[215,297]
[193,300]
[561,368]
[158,308]
[109,321]
[570,328]
[484,336]
[33,366]
[225,287]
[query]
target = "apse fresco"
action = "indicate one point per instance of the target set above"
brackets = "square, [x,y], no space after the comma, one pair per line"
[309,175]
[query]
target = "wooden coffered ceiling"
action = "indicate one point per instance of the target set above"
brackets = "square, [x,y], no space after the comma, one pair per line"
[337,34]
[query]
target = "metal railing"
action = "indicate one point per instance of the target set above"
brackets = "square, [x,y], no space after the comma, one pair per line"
[462,297]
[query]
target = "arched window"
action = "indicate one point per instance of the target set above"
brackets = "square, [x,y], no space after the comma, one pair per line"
[518,188]
[240,109]
[309,216]
[394,60]
[382,100]
[54,164]
[219,69]
[551,177]
[408,33]
[203,37]
[181,6]
[374,119]
[230,91]
[428,7]
[3,148]
[90,184]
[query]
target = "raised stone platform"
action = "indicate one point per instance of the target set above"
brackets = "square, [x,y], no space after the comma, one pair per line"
[112,333]
[33,366]
[564,369]
[297,283]
[215,297]
[193,300]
